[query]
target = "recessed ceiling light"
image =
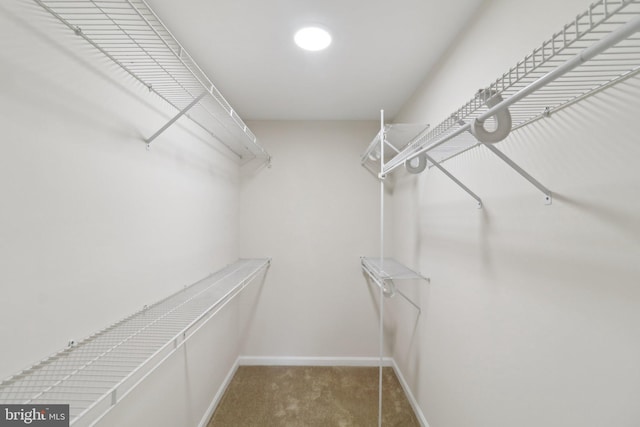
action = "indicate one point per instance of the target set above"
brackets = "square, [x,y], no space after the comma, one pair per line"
[312,38]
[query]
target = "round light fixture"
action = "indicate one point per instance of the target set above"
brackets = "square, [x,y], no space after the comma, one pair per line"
[312,38]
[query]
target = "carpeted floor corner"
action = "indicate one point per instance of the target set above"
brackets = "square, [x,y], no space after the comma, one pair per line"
[312,396]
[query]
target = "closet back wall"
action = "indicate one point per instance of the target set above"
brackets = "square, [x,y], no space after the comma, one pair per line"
[92,225]
[315,212]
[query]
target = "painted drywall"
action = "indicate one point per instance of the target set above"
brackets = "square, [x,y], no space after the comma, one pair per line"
[315,213]
[184,389]
[92,225]
[531,314]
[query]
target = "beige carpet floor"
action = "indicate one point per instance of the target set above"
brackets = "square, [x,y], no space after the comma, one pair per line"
[303,396]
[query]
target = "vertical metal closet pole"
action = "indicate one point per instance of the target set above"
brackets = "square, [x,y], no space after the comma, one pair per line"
[381,338]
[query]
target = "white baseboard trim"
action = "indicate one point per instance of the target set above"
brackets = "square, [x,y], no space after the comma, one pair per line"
[216,399]
[407,391]
[312,361]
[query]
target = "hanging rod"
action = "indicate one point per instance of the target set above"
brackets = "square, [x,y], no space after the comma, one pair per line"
[397,136]
[625,32]
[598,49]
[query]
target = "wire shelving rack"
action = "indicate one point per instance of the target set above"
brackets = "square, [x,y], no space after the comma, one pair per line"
[95,373]
[598,49]
[397,137]
[131,34]
[384,272]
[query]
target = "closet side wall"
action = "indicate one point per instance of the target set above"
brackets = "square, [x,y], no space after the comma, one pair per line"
[532,311]
[315,212]
[92,225]
[181,392]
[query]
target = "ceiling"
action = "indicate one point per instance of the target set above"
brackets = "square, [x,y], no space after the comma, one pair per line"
[381,52]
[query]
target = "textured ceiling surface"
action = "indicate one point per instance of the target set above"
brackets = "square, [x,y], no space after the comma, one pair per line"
[381,52]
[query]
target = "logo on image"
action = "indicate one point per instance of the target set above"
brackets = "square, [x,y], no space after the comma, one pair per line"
[34,415]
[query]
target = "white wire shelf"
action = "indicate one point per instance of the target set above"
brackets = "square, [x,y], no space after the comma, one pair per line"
[397,136]
[95,373]
[384,272]
[598,49]
[130,34]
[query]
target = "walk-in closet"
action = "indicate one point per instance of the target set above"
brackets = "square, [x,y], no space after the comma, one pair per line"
[308,214]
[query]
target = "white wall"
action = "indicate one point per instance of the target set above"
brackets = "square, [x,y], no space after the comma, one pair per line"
[92,226]
[194,373]
[315,213]
[531,317]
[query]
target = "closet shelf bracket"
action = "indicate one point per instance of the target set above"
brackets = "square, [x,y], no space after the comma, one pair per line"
[454,179]
[396,137]
[385,272]
[590,54]
[175,118]
[521,172]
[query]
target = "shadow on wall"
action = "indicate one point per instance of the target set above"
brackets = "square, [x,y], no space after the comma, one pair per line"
[399,312]
[582,154]
[251,308]
[623,222]
[538,249]
[89,95]
[254,167]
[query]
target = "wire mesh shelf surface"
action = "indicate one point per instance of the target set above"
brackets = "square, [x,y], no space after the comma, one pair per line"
[130,34]
[397,136]
[596,26]
[383,272]
[388,268]
[92,375]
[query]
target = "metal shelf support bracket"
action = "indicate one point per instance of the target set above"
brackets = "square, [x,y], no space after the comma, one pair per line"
[376,269]
[175,118]
[454,179]
[409,300]
[522,172]
[389,289]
